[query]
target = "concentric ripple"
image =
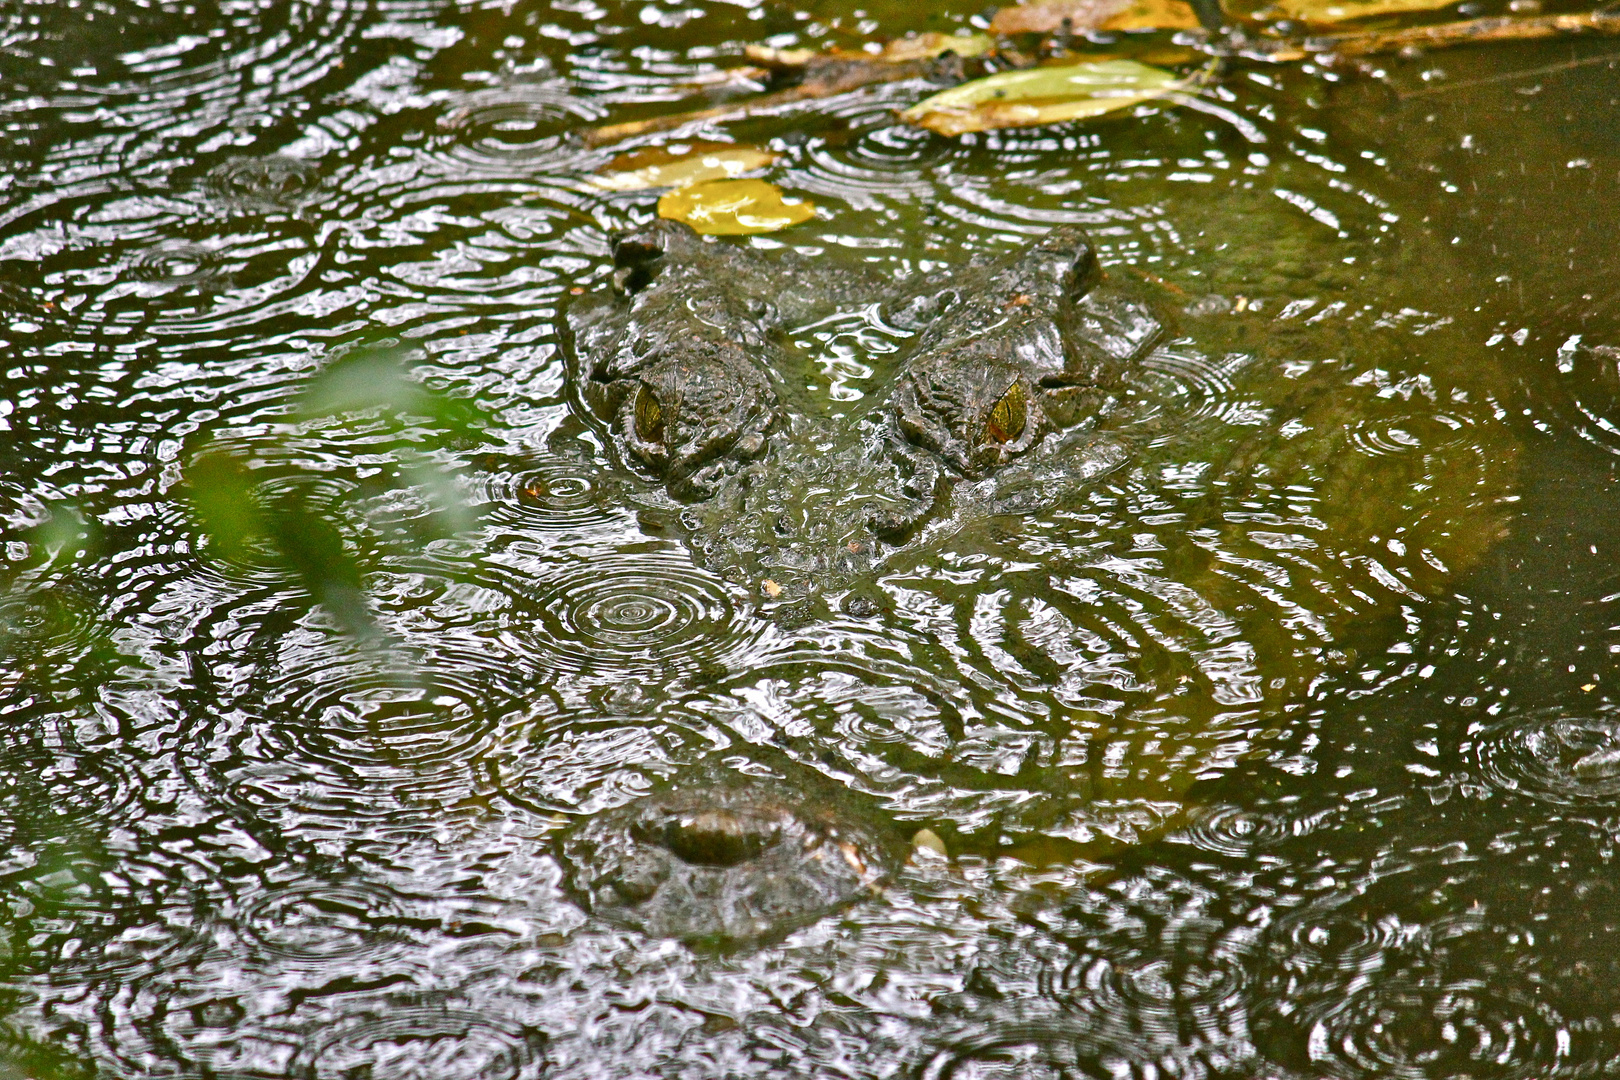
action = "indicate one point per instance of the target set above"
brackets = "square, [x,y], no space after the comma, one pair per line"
[322,921]
[179,265]
[654,613]
[372,722]
[1401,980]
[520,127]
[1224,829]
[1417,1030]
[1186,387]
[1555,757]
[882,164]
[49,622]
[51,783]
[422,1042]
[551,494]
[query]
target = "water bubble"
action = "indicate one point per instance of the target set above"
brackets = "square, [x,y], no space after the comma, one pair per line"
[274,182]
[726,861]
[1556,758]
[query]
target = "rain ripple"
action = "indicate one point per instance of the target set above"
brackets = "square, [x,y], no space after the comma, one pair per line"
[1373,985]
[424,1042]
[322,921]
[262,184]
[650,614]
[1554,757]
[56,621]
[551,495]
[517,128]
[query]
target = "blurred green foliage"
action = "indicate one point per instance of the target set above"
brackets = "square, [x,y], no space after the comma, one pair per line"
[293,498]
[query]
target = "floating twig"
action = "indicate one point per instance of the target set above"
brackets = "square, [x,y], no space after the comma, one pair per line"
[824,77]
[1436,36]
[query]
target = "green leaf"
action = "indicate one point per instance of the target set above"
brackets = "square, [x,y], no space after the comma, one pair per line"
[377,381]
[1046,95]
[678,168]
[225,504]
[734,207]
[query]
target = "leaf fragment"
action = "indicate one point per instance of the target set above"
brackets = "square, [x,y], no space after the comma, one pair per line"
[1045,95]
[1338,11]
[678,166]
[1047,16]
[734,207]
[928,45]
[924,46]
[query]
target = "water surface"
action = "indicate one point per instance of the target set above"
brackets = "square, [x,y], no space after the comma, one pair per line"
[1289,749]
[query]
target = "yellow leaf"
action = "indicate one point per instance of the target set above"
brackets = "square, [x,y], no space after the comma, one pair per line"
[1045,95]
[1338,11]
[680,166]
[1047,16]
[734,207]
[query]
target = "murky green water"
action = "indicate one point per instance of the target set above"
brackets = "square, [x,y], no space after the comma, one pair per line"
[1287,750]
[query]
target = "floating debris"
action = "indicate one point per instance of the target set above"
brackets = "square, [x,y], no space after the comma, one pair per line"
[1046,95]
[734,207]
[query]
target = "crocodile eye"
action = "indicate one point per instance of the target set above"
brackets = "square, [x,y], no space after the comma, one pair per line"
[649,416]
[1007,416]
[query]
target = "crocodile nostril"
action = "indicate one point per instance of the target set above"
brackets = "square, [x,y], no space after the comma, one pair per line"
[885,522]
[782,526]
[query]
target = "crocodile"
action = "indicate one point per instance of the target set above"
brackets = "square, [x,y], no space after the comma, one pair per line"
[994,405]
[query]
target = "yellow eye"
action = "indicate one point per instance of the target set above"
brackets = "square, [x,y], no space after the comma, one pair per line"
[1007,416]
[649,416]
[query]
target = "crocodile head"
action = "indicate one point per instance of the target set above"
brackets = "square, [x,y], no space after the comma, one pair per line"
[1012,367]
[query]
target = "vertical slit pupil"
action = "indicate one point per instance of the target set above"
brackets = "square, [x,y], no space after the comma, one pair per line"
[1007,416]
[649,416]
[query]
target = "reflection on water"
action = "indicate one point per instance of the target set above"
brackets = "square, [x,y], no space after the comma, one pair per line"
[1287,748]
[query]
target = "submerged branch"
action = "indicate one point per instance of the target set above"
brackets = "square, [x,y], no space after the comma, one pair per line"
[824,77]
[1437,36]
[931,57]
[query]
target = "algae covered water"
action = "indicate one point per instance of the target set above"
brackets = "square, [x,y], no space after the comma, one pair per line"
[1286,746]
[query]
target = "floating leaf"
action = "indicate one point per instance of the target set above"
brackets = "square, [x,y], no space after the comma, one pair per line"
[680,166]
[1044,95]
[1338,11]
[734,207]
[1048,16]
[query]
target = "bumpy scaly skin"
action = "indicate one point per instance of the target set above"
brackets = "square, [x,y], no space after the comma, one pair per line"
[1013,363]
[675,335]
[1041,327]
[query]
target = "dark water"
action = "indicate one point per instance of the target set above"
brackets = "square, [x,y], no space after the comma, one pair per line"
[1290,750]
